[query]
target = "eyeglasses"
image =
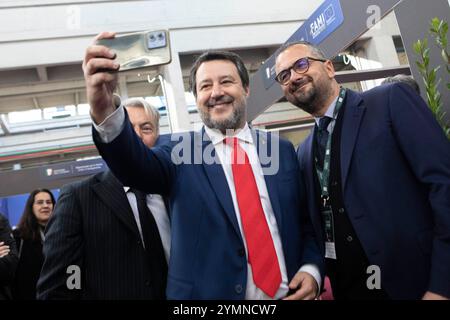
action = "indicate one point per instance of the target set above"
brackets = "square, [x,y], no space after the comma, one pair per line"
[300,66]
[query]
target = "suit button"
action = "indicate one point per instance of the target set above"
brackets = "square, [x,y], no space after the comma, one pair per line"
[147,283]
[349,238]
[238,288]
[241,252]
[334,184]
[341,210]
[139,242]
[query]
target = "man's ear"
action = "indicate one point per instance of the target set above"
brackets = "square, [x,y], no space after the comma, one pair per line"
[329,67]
[247,91]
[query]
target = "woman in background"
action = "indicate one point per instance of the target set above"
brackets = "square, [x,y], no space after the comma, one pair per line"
[29,236]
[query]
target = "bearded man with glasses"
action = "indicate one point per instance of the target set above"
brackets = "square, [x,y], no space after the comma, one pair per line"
[377,169]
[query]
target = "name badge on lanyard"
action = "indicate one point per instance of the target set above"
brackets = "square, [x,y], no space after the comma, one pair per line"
[330,250]
[324,177]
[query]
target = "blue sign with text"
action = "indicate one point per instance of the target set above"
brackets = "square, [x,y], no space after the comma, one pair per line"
[327,18]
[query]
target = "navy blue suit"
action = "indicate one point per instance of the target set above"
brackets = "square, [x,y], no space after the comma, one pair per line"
[207,255]
[395,169]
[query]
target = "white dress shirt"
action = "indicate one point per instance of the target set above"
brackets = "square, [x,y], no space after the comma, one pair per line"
[330,114]
[111,127]
[157,207]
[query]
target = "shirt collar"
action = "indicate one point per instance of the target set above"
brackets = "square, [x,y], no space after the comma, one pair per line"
[330,111]
[217,137]
[126,189]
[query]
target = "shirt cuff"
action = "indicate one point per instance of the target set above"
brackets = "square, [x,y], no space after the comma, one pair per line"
[112,126]
[313,270]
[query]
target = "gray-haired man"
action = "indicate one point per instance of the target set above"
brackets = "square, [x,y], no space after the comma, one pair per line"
[117,236]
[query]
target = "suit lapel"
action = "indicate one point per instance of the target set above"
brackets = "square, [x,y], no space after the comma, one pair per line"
[352,119]
[264,145]
[216,177]
[309,170]
[111,192]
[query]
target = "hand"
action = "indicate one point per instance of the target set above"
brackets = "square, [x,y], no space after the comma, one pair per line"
[306,285]
[101,79]
[4,249]
[433,296]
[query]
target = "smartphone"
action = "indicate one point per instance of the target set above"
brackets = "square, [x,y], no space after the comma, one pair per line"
[140,50]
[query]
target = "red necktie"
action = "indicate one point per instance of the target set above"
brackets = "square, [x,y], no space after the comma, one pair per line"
[261,251]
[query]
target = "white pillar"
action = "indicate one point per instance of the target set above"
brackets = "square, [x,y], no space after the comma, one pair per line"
[382,49]
[379,53]
[173,89]
[123,90]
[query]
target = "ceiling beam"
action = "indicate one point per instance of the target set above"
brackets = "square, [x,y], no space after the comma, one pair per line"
[53,87]
[363,75]
[48,87]
[36,103]
[77,98]
[42,73]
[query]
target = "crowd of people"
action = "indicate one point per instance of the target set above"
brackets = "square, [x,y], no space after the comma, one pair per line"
[211,215]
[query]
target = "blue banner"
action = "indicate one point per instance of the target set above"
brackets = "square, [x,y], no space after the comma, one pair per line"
[327,18]
[4,207]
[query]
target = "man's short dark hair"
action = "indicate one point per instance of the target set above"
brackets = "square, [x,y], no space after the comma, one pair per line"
[409,80]
[315,50]
[218,55]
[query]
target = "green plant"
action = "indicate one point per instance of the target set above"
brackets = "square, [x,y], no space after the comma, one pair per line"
[438,30]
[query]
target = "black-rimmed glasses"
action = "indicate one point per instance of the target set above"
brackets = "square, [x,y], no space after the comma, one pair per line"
[300,66]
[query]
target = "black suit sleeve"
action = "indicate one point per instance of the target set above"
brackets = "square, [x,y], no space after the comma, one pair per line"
[63,247]
[9,262]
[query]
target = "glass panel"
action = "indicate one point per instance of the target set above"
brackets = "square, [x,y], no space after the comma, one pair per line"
[83,109]
[59,112]
[24,116]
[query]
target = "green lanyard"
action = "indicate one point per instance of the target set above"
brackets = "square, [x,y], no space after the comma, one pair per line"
[324,175]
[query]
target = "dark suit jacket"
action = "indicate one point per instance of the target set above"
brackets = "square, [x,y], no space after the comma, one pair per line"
[207,255]
[29,267]
[93,227]
[8,263]
[395,169]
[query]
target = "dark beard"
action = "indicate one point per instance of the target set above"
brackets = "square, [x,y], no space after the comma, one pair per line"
[311,101]
[233,122]
[306,100]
